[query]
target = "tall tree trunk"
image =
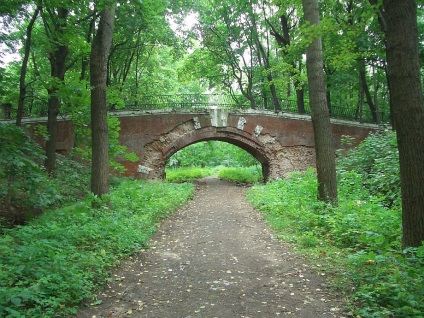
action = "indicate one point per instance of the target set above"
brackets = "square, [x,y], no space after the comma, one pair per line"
[406,92]
[300,91]
[58,69]
[324,147]
[85,61]
[27,50]
[383,25]
[98,77]
[365,88]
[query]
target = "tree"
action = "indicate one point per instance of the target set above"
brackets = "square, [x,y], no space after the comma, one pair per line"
[407,98]
[27,49]
[98,77]
[56,24]
[324,147]
[283,35]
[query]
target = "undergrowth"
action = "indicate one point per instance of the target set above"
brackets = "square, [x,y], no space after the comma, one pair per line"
[187,174]
[50,265]
[360,240]
[25,188]
[241,174]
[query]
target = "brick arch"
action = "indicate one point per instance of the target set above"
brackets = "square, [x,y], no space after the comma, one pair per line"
[280,143]
[232,135]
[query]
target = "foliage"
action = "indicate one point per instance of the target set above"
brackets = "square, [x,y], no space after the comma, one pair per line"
[53,263]
[375,162]
[211,154]
[25,188]
[186,174]
[241,174]
[116,150]
[361,239]
[22,179]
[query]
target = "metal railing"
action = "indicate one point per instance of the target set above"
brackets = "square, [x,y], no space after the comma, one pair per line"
[207,101]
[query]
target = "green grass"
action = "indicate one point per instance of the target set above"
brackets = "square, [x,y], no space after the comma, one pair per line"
[241,174]
[50,265]
[359,242]
[187,174]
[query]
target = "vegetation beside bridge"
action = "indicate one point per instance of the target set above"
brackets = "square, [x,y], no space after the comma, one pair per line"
[357,244]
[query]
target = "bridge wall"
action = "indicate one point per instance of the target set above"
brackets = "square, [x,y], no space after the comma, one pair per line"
[280,144]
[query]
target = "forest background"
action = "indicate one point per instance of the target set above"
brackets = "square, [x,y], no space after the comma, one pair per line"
[253,51]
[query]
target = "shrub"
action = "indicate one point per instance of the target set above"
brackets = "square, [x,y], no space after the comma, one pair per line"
[376,162]
[25,188]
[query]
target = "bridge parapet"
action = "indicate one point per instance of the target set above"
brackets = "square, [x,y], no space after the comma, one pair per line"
[205,101]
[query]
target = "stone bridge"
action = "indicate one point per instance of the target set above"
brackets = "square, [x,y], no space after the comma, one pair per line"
[280,142]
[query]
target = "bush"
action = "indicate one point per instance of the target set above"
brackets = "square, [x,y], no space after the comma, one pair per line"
[48,266]
[25,188]
[376,162]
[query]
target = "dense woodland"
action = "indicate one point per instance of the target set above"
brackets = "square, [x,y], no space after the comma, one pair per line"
[83,58]
[251,48]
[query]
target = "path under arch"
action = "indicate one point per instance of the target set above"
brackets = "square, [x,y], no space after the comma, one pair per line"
[215,257]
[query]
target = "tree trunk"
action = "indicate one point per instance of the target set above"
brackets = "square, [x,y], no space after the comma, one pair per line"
[85,61]
[99,127]
[57,60]
[27,49]
[383,25]
[365,88]
[406,92]
[52,113]
[300,92]
[324,147]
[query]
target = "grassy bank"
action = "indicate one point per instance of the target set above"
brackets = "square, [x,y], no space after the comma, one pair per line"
[359,243]
[48,266]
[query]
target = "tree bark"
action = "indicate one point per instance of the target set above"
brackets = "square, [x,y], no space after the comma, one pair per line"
[324,147]
[27,50]
[365,88]
[284,41]
[58,69]
[98,77]
[407,98]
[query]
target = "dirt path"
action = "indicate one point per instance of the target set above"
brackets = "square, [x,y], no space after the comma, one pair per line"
[215,258]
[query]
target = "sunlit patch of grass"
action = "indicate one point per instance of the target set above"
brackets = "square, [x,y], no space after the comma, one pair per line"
[187,174]
[241,174]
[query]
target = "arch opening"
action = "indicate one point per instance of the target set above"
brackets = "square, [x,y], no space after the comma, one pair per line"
[244,154]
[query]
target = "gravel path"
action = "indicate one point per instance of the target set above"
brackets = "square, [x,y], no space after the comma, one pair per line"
[215,257]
